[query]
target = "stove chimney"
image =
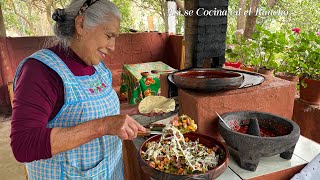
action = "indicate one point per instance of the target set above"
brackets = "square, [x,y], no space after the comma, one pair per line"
[205,32]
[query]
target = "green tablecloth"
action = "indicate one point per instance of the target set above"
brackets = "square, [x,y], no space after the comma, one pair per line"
[135,87]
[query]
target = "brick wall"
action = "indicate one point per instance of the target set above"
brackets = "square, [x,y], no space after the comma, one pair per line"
[307,117]
[131,48]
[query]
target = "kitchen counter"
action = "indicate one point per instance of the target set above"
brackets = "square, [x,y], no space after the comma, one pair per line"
[272,167]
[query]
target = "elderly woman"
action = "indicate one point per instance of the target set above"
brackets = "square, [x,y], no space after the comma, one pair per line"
[66,121]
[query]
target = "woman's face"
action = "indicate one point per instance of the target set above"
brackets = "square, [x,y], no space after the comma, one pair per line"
[97,42]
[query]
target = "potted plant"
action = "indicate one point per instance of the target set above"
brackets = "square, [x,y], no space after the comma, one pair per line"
[269,45]
[307,50]
[239,52]
[234,50]
[289,63]
[288,69]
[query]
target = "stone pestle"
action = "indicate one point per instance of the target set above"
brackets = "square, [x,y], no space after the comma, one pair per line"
[253,128]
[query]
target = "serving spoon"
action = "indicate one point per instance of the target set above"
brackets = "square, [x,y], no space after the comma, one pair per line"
[150,131]
[223,120]
[145,133]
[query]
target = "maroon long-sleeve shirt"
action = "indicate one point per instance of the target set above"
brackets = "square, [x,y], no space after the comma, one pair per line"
[38,97]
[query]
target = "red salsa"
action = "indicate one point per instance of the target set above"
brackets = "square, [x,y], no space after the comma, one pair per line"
[263,131]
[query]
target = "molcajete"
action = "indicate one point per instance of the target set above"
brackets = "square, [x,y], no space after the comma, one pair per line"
[247,149]
[207,79]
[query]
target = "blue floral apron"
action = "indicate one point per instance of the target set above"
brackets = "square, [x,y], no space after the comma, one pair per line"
[86,98]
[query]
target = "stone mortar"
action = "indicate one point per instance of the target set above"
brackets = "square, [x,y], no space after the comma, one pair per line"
[247,149]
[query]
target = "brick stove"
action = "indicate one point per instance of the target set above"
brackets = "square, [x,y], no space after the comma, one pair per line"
[274,96]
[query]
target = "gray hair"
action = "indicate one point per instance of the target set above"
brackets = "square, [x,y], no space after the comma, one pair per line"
[98,13]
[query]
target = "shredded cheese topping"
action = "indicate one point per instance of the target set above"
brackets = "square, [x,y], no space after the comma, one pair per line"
[174,154]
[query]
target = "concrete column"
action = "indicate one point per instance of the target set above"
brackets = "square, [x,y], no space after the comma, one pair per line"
[171,7]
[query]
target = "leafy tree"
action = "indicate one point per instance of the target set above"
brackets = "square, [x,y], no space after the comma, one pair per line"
[33,17]
[154,8]
[24,18]
[127,21]
[304,14]
[2,27]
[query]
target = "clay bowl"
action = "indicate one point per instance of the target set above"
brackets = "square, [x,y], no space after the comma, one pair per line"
[207,79]
[205,140]
[247,149]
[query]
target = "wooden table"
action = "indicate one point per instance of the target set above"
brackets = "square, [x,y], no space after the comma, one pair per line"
[269,167]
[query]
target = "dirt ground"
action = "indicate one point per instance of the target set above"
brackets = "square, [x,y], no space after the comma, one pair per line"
[10,169]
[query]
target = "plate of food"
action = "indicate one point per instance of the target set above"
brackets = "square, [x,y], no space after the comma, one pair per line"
[165,107]
[181,153]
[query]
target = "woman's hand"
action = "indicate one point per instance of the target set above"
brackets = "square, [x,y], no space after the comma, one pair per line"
[130,109]
[123,126]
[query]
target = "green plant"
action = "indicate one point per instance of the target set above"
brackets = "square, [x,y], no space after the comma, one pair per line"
[241,50]
[264,49]
[287,64]
[234,50]
[306,52]
[270,44]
